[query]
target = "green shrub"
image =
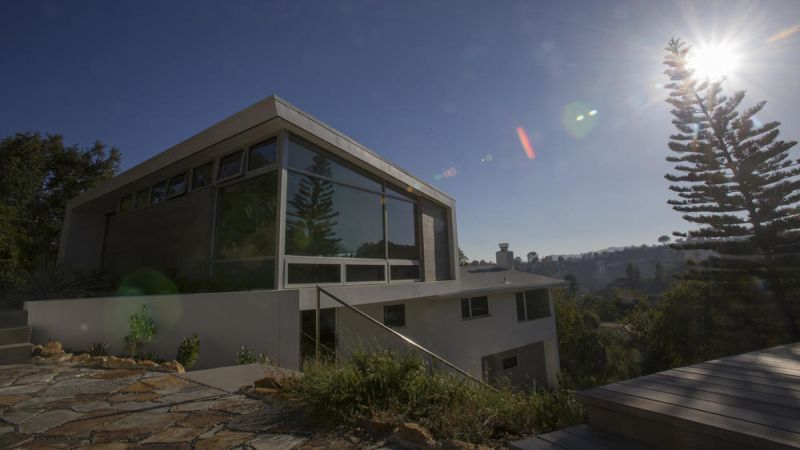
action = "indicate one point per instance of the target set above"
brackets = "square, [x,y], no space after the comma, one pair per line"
[401,387]
[246,355]
[98,348]
[189,351]
[153,356]
[142,330]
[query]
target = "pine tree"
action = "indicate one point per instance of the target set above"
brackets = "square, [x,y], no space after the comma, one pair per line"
[736,180]
[312,229]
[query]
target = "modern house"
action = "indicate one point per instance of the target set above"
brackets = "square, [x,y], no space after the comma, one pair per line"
[235,227]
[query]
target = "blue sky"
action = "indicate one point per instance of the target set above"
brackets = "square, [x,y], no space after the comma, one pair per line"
[431,86]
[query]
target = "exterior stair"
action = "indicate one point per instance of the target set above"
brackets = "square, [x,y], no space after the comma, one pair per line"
[15,337]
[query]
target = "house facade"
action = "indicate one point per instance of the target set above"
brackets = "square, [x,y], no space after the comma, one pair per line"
[230,232]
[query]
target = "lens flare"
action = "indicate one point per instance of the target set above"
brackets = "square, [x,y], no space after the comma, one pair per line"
[783,34]
[580,117]
[713,62]
[526,143]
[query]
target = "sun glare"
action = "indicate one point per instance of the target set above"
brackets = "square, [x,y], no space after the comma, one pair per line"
[713,61]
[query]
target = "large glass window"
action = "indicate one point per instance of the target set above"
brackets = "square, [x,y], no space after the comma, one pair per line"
[329,219]
[262,154]
[314,273]
[405,272]
[402,229]
[306,157]
[244,275]
[246,219]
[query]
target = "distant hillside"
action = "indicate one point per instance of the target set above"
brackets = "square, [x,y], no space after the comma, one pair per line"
[596,271]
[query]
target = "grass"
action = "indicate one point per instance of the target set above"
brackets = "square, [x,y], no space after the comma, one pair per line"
[397,387]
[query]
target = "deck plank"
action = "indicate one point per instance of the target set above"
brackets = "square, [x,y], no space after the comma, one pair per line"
[719,409]
[727,390]
[748,372]
[736,384]
[732,375]
[756,367]
[698,421]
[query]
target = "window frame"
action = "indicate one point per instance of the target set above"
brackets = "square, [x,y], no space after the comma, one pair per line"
[403,309]
[524,303]
[152,191]
[242,161]
[470,308]
[183,191]
[211,183]
[515,358]
[266,167]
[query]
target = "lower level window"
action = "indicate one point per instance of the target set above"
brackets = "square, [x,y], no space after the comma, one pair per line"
[314,273]
[510,363]
[533,304]
[394,315]
[474,307]
[405,272]
[364,272]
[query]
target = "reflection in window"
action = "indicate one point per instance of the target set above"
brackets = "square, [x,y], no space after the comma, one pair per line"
[262,154]
[306,157]
[314,273]
[402,229]
[158,193]
[246,219]
[126,204]
[533,304]
[404,272]
[328,219]
[201,176]
[230,165]
[244,275]
[142,198]
[177,185]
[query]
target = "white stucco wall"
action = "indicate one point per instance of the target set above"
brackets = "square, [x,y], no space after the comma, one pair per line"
[437,325]
[267,321]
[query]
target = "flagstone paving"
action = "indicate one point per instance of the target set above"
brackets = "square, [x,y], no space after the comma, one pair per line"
[62,406]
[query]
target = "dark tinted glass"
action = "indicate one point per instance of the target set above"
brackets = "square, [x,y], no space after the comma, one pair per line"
[480,306]
[328,219]
[201,176]
[465,308]
[158,193]
[394,315]
[537,304]
[314,273]
[520,306]
[126,204]
[246,219]
[509,363]
[177,185]
[363,272]
[143,198]
[402,229]
[244,275]
[404,272]
[307,157]
[262,154]
[230,165]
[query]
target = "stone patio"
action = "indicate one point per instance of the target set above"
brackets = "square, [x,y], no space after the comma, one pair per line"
[62,406]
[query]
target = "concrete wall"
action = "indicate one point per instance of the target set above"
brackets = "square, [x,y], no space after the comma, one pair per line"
[173,236]
[266,321]
[437,325]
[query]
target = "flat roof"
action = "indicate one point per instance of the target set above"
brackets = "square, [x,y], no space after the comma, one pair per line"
[259,113]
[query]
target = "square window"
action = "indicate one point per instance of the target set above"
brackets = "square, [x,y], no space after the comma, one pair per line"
[474,307]
[230,166]
[176,185]
[394,315]
[201,176]
[126,204]
[142,198]
[262,154]
[158,193]
[510,363]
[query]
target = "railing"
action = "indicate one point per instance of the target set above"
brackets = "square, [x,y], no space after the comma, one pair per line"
[371,319]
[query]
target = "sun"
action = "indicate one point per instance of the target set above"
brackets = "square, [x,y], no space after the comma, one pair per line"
[713,62]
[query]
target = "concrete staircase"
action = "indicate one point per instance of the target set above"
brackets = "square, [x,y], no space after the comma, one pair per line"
[15,337]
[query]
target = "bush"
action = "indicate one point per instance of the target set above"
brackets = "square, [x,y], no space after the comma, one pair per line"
[401,387]
[98,348]
[189,351]
[142,330]
[246,355]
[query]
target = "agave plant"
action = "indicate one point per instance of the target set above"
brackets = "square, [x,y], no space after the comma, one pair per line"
[50,278]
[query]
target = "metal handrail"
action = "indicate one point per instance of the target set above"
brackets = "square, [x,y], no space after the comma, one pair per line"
[379,324]
[312,338]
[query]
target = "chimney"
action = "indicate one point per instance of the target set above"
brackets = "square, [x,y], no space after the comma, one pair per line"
[505,258]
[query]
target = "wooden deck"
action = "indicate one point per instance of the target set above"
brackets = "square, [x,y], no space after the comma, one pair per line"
[748,401]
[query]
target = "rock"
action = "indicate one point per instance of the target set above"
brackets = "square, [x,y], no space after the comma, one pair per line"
[412,436]
[80,358]
[52,349]
[377,426]
[454,444]
[172,366]
[223,439]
